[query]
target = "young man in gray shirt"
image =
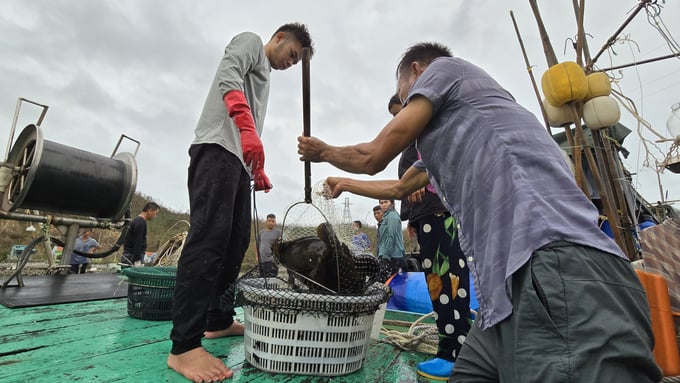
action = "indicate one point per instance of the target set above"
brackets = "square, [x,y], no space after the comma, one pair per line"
[225,155]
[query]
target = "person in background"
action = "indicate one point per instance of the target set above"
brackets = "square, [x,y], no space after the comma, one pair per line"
[444,265]
[386,268]
[547,279]
[268,235]
[84,244]
[391,243]
[378,215]
[225,156]
[134,247]
[360,239]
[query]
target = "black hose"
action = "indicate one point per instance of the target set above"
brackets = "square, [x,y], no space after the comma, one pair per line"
[113,249]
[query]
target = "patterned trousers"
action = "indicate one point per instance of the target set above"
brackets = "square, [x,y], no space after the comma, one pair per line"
[448,281]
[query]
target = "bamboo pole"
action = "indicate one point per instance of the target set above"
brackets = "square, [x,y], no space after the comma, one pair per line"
[545,39]
[576,148]
[578,161]
[584,42]
[612,39]
[604,156]
[531,73]
[607,205]
[615,176]
[670,56]
[581,36]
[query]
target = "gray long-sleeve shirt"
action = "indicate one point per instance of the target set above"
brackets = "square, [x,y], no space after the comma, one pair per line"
[244,67]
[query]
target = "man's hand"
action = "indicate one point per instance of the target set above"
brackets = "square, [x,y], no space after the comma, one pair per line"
[416,196]
[335,186]
[412,232]
[261,181]
[310,148]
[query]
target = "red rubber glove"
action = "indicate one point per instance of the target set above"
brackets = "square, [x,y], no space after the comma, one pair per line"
[261,181]
[239,111]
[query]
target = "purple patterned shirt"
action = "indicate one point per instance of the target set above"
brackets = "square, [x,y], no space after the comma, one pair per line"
[502,176]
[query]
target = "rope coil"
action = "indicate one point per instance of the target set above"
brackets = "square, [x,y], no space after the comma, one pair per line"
[419,337]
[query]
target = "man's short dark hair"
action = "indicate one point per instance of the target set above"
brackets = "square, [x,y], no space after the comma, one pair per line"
[151,206]
[394,100]
[376,208]
[422,53]
[271,215]
[301,34]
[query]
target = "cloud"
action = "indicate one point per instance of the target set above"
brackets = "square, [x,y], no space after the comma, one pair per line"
[143,69]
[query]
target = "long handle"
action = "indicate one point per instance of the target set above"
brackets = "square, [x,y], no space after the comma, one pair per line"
[306,119]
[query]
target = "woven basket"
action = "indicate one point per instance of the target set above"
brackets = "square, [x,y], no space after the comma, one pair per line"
[150,291]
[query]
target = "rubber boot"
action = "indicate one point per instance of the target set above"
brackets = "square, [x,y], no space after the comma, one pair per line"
[435,369]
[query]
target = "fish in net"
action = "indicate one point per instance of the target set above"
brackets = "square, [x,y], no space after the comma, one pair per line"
[325,263]
[317,251]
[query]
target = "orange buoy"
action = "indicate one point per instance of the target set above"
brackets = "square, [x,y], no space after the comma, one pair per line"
[665,344]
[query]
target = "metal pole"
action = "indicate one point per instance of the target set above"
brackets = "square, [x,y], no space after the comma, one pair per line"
[306,118]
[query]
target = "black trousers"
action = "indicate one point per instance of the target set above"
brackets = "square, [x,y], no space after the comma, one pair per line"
[78,268]
[219,202]
[269,269]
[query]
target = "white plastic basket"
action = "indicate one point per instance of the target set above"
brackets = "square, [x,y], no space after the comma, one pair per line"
[305,342]
[299,343]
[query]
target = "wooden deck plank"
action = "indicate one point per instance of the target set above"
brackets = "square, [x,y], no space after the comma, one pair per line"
[98,342]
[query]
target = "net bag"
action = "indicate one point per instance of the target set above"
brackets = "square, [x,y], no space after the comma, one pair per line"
[317,252]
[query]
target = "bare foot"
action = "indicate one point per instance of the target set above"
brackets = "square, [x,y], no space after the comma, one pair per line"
[236,329]
[198,365]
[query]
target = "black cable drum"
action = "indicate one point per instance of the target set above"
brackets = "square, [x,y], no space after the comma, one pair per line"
[59,178]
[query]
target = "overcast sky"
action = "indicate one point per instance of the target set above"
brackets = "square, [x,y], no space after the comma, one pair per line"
[142,68]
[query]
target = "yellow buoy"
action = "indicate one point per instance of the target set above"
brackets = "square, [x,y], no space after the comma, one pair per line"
[564,82]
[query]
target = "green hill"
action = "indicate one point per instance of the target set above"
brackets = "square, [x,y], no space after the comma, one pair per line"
[167,224]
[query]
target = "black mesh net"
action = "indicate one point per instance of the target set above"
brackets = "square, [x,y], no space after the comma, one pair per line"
[318,268]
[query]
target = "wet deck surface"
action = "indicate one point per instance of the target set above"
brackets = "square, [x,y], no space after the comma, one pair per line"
[98,342]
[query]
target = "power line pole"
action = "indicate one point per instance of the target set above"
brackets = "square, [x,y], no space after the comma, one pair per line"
[346,212]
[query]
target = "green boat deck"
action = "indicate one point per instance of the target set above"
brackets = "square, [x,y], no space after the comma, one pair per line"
[98,342]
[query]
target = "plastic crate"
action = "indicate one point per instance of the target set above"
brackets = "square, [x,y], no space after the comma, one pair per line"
[305,342]
[150,291]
